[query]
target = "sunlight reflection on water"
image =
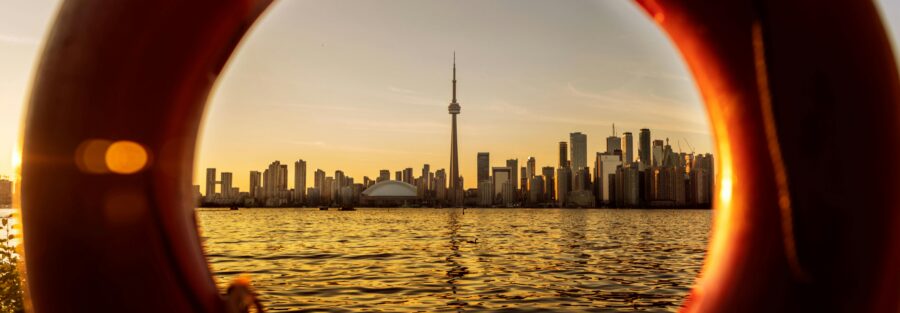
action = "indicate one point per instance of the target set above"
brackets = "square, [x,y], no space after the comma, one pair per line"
[438,260]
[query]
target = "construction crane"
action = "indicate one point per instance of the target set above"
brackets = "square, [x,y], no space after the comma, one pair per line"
[689,145]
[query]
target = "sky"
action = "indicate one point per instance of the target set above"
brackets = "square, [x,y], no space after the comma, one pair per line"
[364,85]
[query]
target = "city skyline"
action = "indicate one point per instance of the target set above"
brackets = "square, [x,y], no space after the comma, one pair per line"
[549,70]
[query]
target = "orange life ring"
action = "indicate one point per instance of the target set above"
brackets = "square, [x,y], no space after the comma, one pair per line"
[789,85]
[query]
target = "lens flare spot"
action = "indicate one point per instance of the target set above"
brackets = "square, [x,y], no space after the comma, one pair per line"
[126,157]
[90,156]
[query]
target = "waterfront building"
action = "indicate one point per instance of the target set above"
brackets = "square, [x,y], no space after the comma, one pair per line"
[299,181]
[582,179]
[456,186]
[426,174]
[226,184]
[440,185]
[319,180]
[313,196]
[628,186]
[530,170]
[485,193]
[501,176]
[536,190]
[484,166]
[508,196]
[6,191]
[563,154]
[523,181]
[657,152]
[644,149]
[388,193]
[578,148]
[210,183]
[398,175]
[627,148]
[605,167]
[408,175]
[513,165]
[255,184]
[613,142]
[549,183]
[563,183]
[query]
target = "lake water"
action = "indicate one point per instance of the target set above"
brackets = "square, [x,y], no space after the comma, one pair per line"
[450,260]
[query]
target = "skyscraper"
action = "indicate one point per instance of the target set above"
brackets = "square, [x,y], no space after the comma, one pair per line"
[426,174]
[454,108]
[210,183]
[578,146]
[299,181]
[501,177]
[549,183]
[613,142]
[255,184]
[563,154]
[531,169]
[226,184]
[484,164]
[513,164]
[628,147]
[644,150]
[658,152]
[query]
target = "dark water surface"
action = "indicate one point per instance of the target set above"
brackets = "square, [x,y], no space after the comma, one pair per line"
[440,260]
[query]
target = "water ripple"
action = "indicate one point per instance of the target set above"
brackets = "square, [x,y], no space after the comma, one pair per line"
[447,260]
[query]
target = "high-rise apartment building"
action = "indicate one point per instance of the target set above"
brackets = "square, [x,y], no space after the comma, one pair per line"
[255,184]
[549,183]
[627,148]
[484,166]
[644,147]
[513,165]
[578,148]
[426,174]
[563,154]
[383,175]
[210,183]
[226,184]
[501,176]
[299,181]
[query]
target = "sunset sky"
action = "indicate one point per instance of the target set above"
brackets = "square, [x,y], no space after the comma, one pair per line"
[364,85]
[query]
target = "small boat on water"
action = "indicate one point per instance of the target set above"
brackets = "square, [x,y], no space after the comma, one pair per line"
[323,208]
[347,208]
[234,208]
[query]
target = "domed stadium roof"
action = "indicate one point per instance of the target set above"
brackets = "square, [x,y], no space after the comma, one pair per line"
[391,189]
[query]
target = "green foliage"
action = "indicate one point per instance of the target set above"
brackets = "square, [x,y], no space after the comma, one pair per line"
[11,294]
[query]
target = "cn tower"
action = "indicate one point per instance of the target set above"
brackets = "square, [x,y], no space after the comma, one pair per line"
[455,188]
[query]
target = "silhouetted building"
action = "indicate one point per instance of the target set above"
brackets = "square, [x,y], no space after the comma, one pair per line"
[605,167]
[210,183]
[644,149]
[563,154]
[578,146]
[613,142]
[501,176]
[383,175]
[255,184]
[484,166]
[628,148]
[513,165]
[549,183]
[226,185]
[6,191]
[299,181]
[563,183]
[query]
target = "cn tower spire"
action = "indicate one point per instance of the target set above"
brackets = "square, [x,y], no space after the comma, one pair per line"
[454,76]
